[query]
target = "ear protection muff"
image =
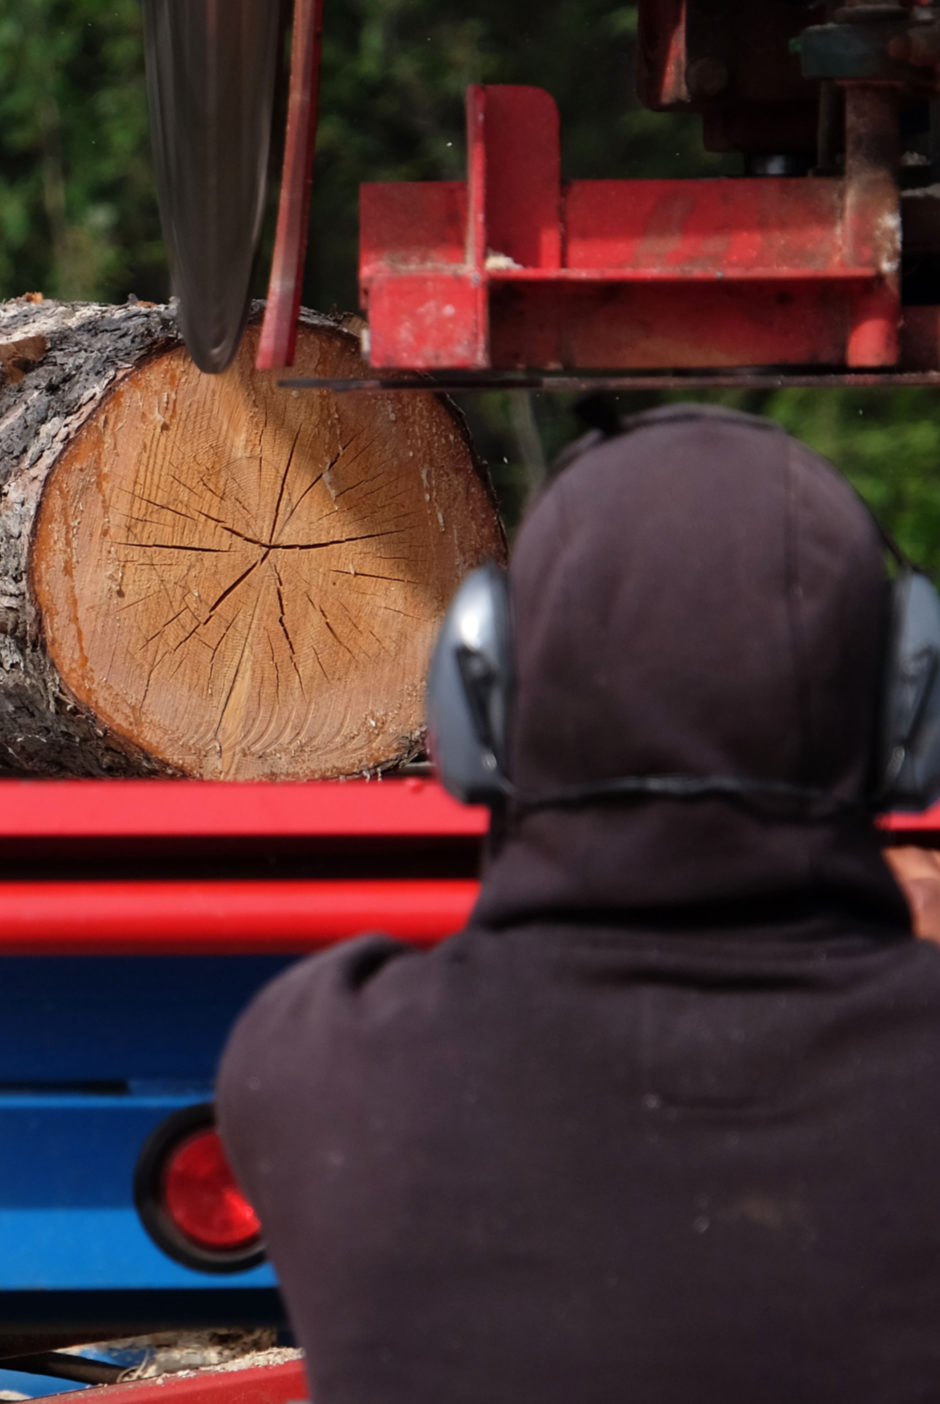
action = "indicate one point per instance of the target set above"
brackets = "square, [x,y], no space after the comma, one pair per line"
[909,757]
[470,685]
[470,691]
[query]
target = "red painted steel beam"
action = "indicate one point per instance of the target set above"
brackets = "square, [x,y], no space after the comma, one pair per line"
[260,1384]
[279,328]
[509,270]
[121,809]
[872,219]
[238,918]
[127,809]
[646,325]
[224,918]
[917,825]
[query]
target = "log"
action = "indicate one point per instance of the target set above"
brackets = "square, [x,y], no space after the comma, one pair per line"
[210,575]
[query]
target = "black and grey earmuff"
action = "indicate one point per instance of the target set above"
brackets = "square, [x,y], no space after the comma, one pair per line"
[470,687]
[908,757]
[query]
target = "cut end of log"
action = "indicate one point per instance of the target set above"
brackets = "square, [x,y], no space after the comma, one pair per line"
[246,582]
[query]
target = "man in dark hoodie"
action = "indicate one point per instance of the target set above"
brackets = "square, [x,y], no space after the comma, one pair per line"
[660,1127]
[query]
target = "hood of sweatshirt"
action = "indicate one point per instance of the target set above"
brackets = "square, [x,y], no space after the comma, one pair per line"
[698,596]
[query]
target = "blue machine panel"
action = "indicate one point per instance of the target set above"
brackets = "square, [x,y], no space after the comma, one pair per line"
[67,1215]
[94,1053]
[85,1019]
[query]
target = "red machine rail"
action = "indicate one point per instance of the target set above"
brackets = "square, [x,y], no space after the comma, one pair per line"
[402,808]
[158,914]
[223,918]
[918,826]
[236,909]
[194,808]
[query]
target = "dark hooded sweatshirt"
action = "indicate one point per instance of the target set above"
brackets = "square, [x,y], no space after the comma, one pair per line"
[661,1126]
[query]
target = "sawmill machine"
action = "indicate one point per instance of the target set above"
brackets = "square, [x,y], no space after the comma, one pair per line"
[818,263]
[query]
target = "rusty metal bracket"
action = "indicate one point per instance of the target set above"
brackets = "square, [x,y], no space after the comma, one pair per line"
[511,270]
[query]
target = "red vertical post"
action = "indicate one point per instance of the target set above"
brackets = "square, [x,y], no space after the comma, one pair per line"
[872,220]
[476,177]
[475,255]
[279,328]
[522,178]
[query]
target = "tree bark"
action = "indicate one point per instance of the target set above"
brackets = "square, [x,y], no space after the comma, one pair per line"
[210,575]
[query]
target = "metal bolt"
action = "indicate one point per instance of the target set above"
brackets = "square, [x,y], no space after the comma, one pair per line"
[707,77]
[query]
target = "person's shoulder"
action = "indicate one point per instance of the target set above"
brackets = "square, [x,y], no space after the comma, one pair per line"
[319,1009]
[322,987]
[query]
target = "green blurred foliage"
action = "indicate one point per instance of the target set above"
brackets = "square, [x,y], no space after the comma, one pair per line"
[887,442]
[78,216]
[77,213]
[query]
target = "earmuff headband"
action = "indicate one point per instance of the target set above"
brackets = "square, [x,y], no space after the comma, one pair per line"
[470,693]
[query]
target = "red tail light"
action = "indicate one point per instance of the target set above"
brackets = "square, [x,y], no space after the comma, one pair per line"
[189,1200]
[202,1197]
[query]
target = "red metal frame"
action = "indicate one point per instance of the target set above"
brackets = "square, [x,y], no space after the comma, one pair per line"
[121,809]
[224,918]
[510,270]
[105,915]
[211,915]
[259,1384]
[918,826]
[279,328]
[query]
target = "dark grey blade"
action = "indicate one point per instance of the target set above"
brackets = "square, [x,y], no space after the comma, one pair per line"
[210,87]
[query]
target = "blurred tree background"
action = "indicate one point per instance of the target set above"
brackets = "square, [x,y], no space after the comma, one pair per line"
[78,217]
